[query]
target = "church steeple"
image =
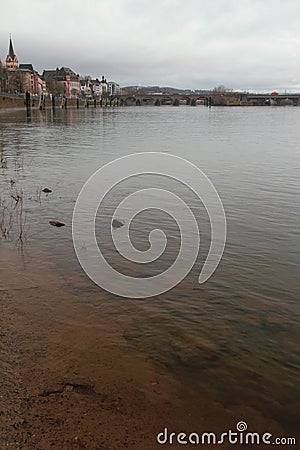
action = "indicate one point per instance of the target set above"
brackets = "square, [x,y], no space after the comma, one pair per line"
[11,48]
[11,59]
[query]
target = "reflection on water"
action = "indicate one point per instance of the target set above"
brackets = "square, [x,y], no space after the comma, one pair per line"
[235,336]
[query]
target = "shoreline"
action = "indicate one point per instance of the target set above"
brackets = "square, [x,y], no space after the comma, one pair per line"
[19,102]
[70,380]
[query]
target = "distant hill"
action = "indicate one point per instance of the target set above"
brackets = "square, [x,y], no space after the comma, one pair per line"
[164,90]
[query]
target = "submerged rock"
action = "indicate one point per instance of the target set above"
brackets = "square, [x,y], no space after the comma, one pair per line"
[117,223]
[56,223]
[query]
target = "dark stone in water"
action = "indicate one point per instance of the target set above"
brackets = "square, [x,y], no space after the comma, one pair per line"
[56,223]
[117,223]
[47,190]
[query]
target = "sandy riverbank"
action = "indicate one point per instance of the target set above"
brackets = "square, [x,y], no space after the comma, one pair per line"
[64,385]
[69,379]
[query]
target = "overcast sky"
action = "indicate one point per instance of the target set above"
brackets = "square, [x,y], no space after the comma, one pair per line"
[243,44]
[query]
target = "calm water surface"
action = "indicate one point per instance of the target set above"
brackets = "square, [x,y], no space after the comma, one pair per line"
[236,336]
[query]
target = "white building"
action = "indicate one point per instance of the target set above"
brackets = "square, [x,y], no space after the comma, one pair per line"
[113,88]
[85,87]
[96,88]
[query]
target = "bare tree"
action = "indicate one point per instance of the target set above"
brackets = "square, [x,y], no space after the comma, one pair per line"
[219,89]
[3,79]
[19,81]
[55,87]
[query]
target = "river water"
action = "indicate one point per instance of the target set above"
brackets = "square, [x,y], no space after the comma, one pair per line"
[234,338]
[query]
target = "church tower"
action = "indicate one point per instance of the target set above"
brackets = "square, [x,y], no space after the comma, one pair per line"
[11,59]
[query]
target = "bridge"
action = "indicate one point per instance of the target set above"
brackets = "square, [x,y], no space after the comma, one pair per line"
[161,99]
[211,99]
[271,99]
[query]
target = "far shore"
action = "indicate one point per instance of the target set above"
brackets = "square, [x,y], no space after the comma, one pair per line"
[227,99]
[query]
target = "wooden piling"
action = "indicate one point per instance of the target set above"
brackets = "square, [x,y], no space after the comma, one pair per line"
[27,101]
[42,102]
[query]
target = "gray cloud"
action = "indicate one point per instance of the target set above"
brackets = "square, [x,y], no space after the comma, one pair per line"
[196,43]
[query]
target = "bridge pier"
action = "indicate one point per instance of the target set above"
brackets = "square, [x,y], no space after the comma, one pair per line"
[208,101]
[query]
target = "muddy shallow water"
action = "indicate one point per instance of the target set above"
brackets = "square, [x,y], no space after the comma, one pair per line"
[82,368]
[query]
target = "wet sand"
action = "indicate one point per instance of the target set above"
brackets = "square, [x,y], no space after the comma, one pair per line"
[64,384]
[70,380]
[64,389]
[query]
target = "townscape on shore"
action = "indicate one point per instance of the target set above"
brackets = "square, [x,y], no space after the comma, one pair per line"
[19,78]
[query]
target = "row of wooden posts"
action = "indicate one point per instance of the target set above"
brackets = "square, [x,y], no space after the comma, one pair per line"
[64,102]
